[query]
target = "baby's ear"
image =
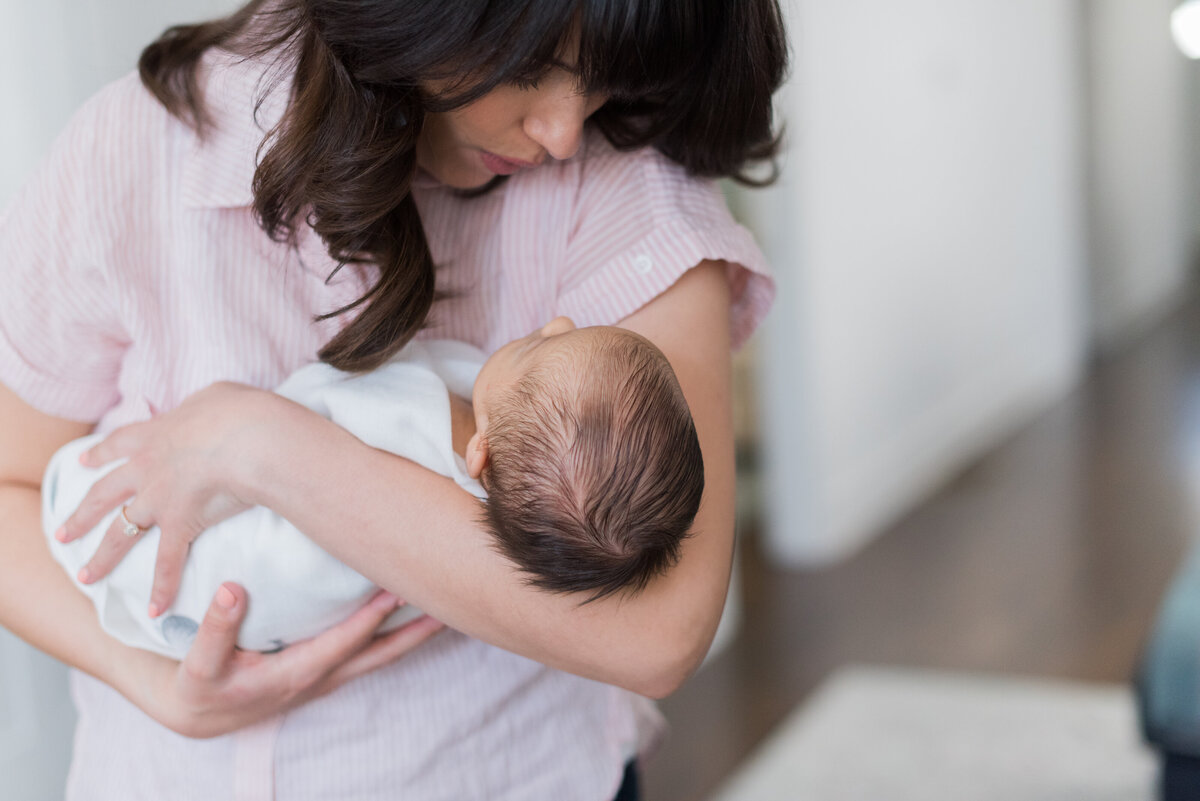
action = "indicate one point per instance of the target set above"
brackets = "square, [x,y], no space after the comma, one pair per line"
[477,455]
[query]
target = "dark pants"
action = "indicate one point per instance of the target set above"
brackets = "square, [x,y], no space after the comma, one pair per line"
[1180,778]
[629,786]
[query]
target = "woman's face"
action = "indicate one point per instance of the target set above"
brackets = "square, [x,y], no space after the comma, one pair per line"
[512,128]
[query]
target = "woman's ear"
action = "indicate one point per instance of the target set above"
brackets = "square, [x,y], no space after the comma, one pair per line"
[477,455]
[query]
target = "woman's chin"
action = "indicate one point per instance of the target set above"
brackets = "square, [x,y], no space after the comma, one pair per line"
[464,177]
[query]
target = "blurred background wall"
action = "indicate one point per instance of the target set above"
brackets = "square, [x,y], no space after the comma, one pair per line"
[978,194]
[1142,149]
[54,54]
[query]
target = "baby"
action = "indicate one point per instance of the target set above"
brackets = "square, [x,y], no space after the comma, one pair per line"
[578,440]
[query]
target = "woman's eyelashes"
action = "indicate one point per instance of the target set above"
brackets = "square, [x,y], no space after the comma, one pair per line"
[530,81]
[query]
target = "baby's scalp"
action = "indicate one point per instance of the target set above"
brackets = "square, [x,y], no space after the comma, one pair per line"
[567,360]
[594,472]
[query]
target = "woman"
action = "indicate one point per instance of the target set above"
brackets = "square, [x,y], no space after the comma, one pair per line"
[151,263]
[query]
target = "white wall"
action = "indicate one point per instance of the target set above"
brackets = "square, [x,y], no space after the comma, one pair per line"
[36,721]
[929,236]
[53,55]
[1142,113]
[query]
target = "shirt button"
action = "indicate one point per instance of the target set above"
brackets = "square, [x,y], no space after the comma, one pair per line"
[642,264]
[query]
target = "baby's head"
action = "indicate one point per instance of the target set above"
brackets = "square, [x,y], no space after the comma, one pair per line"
[588,453]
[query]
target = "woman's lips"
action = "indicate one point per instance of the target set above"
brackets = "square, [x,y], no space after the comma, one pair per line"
[503,166]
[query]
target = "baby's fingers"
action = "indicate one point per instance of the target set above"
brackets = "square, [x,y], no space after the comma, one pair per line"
[105,495]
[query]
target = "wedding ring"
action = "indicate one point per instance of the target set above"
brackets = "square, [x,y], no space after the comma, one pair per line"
[131,529]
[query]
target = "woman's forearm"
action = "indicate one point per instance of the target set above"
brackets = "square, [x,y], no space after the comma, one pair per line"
[217,689]
[38,602]
[418,535]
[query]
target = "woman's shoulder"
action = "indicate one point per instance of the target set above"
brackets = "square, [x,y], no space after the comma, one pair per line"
[114,157]
[122,119]
[642,185]
[127,94]
[629,193]
[640,222]
[600,161]
[99,163]
[124,134]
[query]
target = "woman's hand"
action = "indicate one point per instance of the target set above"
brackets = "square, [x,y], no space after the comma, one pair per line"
[184,472]
[218,689]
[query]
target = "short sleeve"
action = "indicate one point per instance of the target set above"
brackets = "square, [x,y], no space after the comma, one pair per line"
[640,222]
[60,338]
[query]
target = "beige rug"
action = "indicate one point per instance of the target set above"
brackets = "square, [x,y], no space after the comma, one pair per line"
[907,735]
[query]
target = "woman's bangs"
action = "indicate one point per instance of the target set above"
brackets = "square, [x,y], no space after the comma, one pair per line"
[641,49]
[510,42]
[630,49]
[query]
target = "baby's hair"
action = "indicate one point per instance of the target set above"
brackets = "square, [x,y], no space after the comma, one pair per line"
[594,469]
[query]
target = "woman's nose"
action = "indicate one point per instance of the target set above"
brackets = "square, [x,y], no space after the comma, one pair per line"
[556,124]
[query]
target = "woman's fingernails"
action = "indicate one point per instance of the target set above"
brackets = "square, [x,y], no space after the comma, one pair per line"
[84,576]
[61,534]
[85,458]
[385,600]
[154,611]
[225,598]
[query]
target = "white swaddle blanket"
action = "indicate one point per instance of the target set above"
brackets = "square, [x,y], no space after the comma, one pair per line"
[296,589]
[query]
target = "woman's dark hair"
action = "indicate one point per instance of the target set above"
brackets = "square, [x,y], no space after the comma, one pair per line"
[693,78]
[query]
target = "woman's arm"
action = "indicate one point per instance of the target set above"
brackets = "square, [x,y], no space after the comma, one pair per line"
[37,601]
[425,539]
[419,535]
[216,689]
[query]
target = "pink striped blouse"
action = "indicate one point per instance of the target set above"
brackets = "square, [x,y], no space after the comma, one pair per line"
[134,275]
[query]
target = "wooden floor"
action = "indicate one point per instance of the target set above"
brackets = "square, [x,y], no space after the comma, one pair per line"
[1048,557]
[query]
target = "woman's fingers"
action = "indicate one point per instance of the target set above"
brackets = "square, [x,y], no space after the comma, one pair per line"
[118,444]
[383,650]
[105,495]
[314,659]
[112,550]
[168,571]
[223,689]
[216,642]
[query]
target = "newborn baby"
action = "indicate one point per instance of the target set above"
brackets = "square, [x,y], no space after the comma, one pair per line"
[579,442]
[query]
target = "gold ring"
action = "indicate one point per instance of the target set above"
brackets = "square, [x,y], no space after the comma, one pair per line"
[132,529]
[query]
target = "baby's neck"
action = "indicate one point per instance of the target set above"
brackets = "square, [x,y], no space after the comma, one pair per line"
[462,424]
